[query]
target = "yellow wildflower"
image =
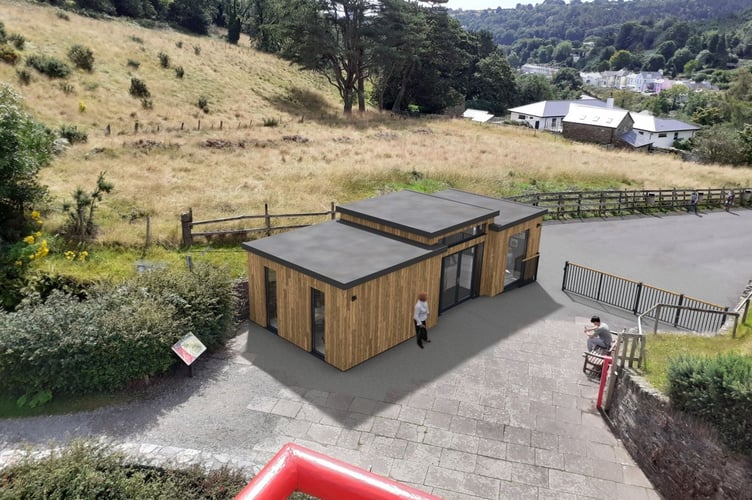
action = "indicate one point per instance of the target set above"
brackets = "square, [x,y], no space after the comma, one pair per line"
[19,263]
[36,215]
[70,255]
[82,256]
[29,240]
[38,234]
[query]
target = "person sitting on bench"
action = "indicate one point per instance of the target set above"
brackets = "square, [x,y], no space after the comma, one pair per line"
[599,334]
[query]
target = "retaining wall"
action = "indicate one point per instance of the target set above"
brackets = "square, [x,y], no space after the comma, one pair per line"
[681,456]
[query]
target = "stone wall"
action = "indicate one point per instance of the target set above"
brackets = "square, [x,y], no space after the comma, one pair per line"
[588,133]
[240,288]
[680,455]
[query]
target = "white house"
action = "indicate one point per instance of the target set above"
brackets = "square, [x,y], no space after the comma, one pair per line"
[660,132]
[548,115]
[477,115]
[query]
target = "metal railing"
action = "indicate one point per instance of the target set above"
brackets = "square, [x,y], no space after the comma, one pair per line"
[640,298]
[658,307]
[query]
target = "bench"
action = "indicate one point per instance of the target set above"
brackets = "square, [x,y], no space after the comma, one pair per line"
[593,360]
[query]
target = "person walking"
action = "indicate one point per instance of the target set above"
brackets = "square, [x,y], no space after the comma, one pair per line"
[599,335]
[730,196]
[420,315]
[693,200]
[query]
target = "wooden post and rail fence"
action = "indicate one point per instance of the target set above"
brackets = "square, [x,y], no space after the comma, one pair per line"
[614,202]
[267,226]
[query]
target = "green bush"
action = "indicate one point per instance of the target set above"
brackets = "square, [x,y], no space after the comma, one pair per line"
[3,33]
[72,133]
[270,122]
[61,14]
[138,88]
[164,60]
[81,57]
[133,64]
[179,72]
[23,76]
[203,104]
[89,470]
[18,40]
[118,335]
[8,54]
[136,39]
[54,68]
[717,390]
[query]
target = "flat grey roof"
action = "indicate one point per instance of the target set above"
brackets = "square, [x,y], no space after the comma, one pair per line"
[418,213]
[339,254]
[510,212]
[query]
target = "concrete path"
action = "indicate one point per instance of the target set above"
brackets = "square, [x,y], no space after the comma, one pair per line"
[495,407]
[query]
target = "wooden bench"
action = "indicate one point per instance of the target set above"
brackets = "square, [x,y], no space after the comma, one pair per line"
[593,364]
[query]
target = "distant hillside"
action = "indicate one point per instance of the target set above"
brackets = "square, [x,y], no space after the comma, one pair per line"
[239,85]
[577,20]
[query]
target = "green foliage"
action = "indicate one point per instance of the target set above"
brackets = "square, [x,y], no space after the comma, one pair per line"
[67,88]
[61,14]
[717,390]
[719,144]
[203,104]
[25,147]
[8,54]
[270,122]
[80,226]
[3,33]
[82,57]
[54,68]
[18,40]
[164,60]
[24,77]
[72,134]
[138,88]
[193,15]
[137,39]
[147,103]
[91,470]
[179,72]
[133,64]
[118,335]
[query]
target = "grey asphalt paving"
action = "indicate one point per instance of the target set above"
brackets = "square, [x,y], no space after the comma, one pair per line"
[495,407]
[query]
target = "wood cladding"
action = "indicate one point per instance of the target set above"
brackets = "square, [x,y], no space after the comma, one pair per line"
[372,317]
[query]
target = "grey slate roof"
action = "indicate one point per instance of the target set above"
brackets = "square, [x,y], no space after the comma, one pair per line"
[418,213]
[549,109]
[650,123]
[510,212]
[339,254]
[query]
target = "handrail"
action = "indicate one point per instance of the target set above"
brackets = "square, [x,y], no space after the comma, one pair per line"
[685,308]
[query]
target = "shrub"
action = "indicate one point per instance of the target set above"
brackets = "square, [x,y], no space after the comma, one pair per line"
[179,72]
[8,54]
[67,88]
[147,103]
[203,104]
[138,88]
[92,470]
[133,64]
[120,334]
[179,44]
[54,68]
[23,76]
[717,390]
[81,57]
[3,33]
[197,50]
[270,122]
[61,14]
[164,60]
[72,133]
[18,40]
[136,39]
[80,226]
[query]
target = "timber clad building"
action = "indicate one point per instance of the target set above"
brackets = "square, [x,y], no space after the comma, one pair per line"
[345,290]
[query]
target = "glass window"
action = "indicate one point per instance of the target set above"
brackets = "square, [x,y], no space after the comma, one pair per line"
[465,235]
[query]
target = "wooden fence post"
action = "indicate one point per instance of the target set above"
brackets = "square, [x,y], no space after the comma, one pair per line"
[333,213]
[186,223]
[267,220]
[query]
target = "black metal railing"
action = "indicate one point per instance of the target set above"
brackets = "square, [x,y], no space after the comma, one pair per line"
[640,298]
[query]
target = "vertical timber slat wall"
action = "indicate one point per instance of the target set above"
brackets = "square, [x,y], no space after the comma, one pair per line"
[495,254]
[382,228]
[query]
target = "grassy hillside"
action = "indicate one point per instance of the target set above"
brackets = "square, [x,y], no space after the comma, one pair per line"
[162,170]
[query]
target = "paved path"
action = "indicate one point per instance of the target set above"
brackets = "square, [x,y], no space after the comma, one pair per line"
[495,407]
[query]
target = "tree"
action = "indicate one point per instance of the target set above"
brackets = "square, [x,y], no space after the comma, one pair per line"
[328,36]
[719,144]
[654,63]
[569,82]
[621,59]
[533,88]
[236,13]
[193,15]
[666,49]
[25,147]
[563,51]
[264,25]
[495,83]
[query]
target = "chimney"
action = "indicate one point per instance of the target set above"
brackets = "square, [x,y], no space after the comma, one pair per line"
[610,103]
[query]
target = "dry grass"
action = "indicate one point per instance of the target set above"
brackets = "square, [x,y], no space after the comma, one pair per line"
[344,160]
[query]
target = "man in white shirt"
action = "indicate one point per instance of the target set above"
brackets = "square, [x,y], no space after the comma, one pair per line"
[420,315]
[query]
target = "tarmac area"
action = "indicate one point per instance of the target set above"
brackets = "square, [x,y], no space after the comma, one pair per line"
[495,407]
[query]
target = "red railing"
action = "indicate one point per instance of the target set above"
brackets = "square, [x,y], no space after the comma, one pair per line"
[295,468]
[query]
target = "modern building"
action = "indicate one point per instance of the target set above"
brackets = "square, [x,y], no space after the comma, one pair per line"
[549,115]
[345,289]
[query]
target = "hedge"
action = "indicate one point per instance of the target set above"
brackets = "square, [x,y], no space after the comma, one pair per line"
[117,335]
[717,390]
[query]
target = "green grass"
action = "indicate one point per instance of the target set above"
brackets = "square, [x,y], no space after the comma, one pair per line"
[116,263]
[60,405]
[661,348]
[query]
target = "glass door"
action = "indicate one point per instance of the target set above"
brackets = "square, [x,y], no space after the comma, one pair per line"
[516,253]
[317,322]
[459,277]
[270,278]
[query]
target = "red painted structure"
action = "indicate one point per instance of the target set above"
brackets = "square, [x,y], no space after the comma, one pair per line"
[604,376]
[295,468]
